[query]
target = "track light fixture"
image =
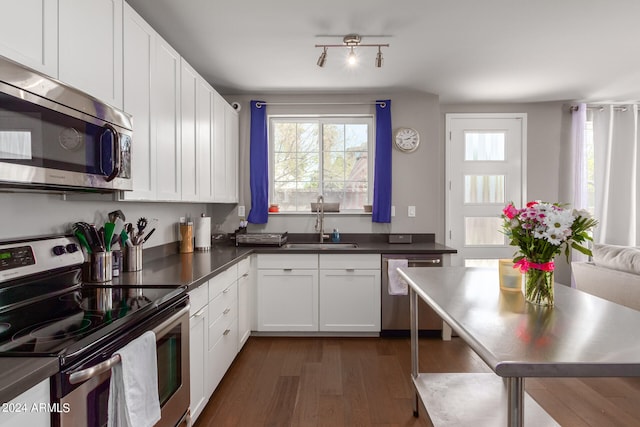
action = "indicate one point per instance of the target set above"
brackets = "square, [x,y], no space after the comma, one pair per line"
[351,41]
[323,58]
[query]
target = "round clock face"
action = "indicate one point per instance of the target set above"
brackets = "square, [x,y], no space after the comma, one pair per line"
[70,139]
[407,139]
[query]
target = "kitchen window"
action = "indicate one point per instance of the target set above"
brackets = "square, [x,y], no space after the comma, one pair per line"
[332,156]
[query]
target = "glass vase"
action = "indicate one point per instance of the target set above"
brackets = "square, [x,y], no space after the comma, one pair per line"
[538,287]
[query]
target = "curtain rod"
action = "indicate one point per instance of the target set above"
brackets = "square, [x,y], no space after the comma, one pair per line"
[380,103]
[574,108]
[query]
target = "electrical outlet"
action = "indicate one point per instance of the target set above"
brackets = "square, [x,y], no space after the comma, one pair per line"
[412,211]
[240,210]
[393,211]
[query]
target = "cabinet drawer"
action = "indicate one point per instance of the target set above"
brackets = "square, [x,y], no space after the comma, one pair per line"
[222,281]
[355,261]
[244,266]
[225,317]
[224,305]
[275,261]
[221,355]
[198,298]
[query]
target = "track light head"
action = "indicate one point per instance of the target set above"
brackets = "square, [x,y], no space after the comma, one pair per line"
[323,58]
[379,59]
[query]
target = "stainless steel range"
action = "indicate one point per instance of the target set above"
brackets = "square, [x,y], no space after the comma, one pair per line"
[46,310]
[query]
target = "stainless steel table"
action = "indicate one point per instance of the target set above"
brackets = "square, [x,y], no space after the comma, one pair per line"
[581,336]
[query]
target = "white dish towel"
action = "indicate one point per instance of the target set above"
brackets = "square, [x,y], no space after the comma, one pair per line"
[133,392]
[397,285]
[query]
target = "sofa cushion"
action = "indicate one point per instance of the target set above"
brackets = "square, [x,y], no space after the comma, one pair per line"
[621,258]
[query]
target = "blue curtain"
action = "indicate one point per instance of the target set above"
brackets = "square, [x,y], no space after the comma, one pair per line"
[259,164]
[382,174]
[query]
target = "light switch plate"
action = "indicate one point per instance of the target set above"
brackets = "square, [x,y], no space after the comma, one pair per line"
[412,211]
[393,211]
[240,210]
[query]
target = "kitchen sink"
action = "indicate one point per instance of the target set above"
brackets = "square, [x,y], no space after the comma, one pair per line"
[318,245]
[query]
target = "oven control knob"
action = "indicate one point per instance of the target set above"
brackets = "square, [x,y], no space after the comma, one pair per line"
[59,250]
[72,247]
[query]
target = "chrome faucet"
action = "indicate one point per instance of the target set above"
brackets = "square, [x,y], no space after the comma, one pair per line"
[320,218]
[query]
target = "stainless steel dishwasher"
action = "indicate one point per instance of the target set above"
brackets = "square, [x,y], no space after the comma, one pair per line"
[395,308]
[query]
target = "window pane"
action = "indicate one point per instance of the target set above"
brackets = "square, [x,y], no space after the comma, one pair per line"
[483,231]
[308,137]
[284,168]
[356,137]
[484,188]
[308,167]
[357,165]
[284,194]
[356,194]
[307,193]
[484,146]
[334,166]
[333,137]
[284,137]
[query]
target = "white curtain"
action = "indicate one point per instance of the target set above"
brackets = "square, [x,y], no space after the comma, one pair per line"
[579,155]
[616,175]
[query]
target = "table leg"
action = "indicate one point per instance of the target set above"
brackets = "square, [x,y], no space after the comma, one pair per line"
[413,312]
[515,391]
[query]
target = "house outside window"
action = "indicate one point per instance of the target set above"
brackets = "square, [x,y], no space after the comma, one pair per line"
[332,156]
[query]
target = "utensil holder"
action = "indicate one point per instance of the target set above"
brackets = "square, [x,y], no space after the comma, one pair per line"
[99,268]
[186,234]
[133,258]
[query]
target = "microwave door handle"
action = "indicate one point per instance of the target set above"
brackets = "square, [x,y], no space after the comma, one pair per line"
[116,153]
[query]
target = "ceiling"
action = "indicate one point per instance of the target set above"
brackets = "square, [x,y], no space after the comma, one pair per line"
[461,50]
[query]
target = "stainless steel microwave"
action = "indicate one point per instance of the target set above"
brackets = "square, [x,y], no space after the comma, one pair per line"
[53,136]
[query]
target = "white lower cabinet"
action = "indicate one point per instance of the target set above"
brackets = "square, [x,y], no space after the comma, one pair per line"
[349,298]
[223,325]
[19,411]
[327,293]
[245,302]
[198,330]
[287,292]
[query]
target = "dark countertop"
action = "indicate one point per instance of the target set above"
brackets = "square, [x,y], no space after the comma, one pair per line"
[19,374]
[162,266]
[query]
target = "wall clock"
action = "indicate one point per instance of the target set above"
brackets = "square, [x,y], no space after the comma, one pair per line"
[407,139]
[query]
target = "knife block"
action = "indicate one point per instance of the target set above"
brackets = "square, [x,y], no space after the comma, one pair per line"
[186,238]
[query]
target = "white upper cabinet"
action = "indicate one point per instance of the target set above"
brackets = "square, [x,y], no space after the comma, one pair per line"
[188,85]
[232,125]
[34,41]
[90,47]
[204,138]
[166,103]
[225,151]
[139,60]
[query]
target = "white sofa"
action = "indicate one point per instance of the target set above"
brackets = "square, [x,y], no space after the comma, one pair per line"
[614,274]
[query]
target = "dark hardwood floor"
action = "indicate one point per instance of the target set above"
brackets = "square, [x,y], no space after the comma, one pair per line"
[366,382]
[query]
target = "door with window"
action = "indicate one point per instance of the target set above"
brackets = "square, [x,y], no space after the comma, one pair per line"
[486,169]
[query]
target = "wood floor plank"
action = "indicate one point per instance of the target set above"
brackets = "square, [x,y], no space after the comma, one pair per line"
[366,382]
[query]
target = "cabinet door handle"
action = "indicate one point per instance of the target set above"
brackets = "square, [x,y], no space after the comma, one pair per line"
[245,275]
[226,291]
[226,311]
[350,270]
[226,332]
[200,313]
[287,269]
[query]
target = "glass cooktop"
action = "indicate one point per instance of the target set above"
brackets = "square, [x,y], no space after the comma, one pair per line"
[64,322]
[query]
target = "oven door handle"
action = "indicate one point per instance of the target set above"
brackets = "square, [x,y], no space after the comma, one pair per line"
[88,373]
